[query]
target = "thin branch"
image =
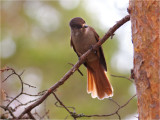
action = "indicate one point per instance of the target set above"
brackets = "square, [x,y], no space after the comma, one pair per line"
[31,116]
[8,99]
[116,112]
[61,103]
[36,113]
[9,110]
[23,104]
[31,94]
[128,101]
[56,104]
[131,80]
[29,85]
[8,77]
[19,76]
[75,115]
[41,117]
[45,115]
[77,69]
[11,99]
[42,92]
[114,102]
[118,115]
[22,84]
[77,65]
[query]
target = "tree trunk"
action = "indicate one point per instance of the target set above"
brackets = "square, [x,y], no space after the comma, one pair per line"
[145,35]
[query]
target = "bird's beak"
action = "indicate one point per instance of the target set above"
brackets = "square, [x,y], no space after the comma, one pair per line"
[85,26]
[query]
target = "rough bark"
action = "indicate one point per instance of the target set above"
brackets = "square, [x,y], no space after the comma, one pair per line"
[145,17]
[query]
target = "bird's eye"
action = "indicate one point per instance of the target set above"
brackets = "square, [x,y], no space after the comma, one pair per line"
[85,26]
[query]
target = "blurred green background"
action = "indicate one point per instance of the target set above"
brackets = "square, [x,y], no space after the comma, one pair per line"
[35,37]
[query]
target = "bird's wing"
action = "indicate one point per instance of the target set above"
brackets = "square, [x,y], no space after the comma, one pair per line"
[102,58]
[72,45]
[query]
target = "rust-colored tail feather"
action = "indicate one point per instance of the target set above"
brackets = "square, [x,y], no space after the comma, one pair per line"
[98,83]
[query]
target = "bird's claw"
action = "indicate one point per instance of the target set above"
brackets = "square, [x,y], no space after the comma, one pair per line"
[95,51]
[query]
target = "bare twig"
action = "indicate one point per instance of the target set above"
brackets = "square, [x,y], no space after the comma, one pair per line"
[11,99]
[127,101]
[118,115]
[131,80]
[19,76]
[9,110]
[31,116]
[61,103]
[8,77]
[36,113]
[77,69]
[29,85]
[22,84]
[42,92]
[75,115]
[116,112]
[23,104]
[45,115]
[41,117]
[31,94]
[56,104]
[46,111]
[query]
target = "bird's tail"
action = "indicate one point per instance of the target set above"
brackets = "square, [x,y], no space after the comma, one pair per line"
[98,83]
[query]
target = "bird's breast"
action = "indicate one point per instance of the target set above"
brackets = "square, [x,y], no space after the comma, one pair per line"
[83,41]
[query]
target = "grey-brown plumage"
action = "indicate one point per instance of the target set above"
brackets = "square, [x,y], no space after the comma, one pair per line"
[82,38]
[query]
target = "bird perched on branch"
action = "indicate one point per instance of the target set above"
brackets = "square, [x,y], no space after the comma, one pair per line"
[82,39]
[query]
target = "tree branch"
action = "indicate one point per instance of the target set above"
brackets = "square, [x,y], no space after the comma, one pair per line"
[9,110]
[60,102]
[75,115]
[131,80]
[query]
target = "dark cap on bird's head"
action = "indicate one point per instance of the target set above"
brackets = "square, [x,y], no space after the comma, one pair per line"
[77,22]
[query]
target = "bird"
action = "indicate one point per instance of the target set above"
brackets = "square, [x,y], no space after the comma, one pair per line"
[83,37]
